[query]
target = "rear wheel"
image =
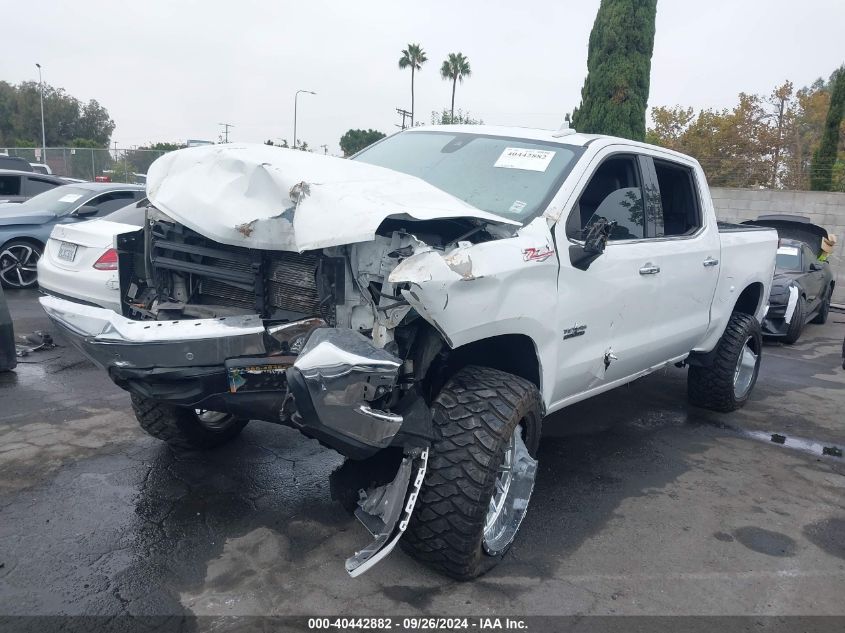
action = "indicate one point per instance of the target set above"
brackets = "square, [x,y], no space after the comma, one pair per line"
[726,383]
[184,427]
[796,325]
[824,309]
[18,260]
[481,472]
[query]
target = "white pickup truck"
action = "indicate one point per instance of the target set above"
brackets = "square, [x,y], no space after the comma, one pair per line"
[422,307]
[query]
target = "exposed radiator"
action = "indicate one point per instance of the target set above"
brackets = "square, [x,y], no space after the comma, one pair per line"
[237,277]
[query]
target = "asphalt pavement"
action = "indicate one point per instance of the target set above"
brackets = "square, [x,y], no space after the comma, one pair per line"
[643,506]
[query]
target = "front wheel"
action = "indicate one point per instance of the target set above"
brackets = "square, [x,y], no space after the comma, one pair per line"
[726,383]
[186,428]
[481,472]
[18,261]
[796,324]
[824,309]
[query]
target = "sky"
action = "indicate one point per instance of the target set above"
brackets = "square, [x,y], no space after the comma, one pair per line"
[173,70]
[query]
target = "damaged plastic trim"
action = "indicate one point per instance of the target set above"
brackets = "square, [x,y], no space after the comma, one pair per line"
[386,512]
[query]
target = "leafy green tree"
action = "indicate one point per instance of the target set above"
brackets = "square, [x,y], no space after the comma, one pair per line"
[413,57]
[65,117]
[455,67]
[355,140]
[615,94]
[824,158]
[445,117]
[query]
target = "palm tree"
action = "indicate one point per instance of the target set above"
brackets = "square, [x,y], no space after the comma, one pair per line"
[455,67]
[413,56]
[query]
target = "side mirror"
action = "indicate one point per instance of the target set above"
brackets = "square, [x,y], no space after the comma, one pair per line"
[594,244]
[816,266]
[85,210]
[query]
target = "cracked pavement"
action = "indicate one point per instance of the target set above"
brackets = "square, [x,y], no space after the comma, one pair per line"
[643,505]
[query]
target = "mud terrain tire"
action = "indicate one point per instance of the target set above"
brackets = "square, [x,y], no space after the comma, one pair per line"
[474,416]
[182,427]
[712,387]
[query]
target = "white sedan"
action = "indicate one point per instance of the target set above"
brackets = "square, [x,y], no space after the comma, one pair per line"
[80,261]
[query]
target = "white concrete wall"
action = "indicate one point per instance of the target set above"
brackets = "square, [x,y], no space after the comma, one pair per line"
[824,209]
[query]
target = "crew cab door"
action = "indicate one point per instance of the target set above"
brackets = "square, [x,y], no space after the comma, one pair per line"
[606,312]
[685,248]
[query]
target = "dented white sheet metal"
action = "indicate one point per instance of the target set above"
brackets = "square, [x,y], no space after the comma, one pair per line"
[280,199]
[488,289]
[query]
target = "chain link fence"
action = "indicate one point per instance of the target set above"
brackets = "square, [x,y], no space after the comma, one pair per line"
[86,163]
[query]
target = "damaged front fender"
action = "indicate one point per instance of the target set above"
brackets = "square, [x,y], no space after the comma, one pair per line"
[479,291]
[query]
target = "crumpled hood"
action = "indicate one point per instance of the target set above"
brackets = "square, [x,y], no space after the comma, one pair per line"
[272,198]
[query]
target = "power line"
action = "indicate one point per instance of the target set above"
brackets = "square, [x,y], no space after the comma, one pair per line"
[226,127]
[405,114]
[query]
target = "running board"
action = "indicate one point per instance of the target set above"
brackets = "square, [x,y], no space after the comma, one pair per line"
[387,511]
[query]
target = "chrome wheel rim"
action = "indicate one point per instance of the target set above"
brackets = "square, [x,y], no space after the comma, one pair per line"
[511,493]
[746,366]
[18,265]
[214,420]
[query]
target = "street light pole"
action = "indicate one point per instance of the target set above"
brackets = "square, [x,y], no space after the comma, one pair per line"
[43,135]
[295,97]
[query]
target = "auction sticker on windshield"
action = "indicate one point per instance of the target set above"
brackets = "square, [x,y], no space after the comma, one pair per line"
[70,197]
[523,158]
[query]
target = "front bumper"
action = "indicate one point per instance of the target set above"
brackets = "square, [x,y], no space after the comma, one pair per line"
[242,366]
[774,323]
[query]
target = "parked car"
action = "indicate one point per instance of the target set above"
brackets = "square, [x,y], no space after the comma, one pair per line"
[802,287]
[26,227]
[80,261]
[15,163]
[17,186]
[41,168]
[8,358]
[422,307]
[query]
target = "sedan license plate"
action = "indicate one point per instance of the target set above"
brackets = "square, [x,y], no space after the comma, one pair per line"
[67,251]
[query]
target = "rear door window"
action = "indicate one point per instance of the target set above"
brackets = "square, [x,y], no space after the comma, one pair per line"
[10,185]
[679,201]
[34,186]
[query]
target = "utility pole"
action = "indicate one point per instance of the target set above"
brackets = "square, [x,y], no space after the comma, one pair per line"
[404,114]
[295,98]
[43,135]
[226,127]
[325,149]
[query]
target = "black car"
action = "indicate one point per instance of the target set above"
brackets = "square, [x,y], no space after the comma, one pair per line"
[802,286]
[14,162]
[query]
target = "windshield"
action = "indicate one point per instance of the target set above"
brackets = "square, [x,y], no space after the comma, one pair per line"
[514,178]
[788,258]
[60,200]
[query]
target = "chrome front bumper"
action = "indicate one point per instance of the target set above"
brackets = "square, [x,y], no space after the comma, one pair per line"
[111,340]
[333,374]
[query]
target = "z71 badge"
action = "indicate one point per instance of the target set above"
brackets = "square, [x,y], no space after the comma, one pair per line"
[572,332]
[537,254]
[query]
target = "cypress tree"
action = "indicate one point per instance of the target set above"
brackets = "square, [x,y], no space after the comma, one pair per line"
[615,94]
[821,176]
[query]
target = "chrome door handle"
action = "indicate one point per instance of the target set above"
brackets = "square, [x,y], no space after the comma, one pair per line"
[711,262]
[649,269]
